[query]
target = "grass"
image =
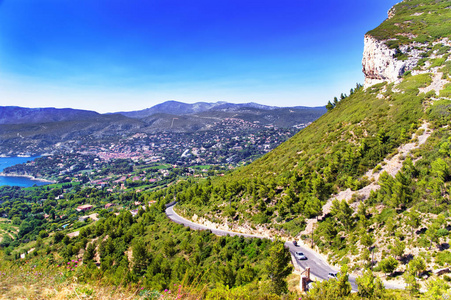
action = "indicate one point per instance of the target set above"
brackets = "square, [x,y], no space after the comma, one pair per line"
[446,69]
[55,186]
[7,228]
[43,280]
[446,92]
[437,62]
[413,83]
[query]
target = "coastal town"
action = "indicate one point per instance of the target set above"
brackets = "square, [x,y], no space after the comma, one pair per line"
[146,159]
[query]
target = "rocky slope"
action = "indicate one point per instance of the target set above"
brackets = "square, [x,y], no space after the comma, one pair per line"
[405,40]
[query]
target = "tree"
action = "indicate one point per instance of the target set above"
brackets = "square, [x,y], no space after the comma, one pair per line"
[370,286]
[140,257]
[432,233]
[58,237]
[89,253]
[412,285]
[313,207]
[342,213]
[343,286]
[413,219]
[329,106]
[400,191]
[417,265]
[398,249]
[366,240]
[413,269]
[278,267]
[388,265]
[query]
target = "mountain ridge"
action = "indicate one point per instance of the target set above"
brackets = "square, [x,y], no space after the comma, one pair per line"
[181,108]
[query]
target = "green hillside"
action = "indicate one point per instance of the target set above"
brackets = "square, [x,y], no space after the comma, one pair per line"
[397,205]
[416,21]
[332,154]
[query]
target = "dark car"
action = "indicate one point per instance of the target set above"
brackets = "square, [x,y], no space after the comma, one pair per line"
[332,275]
[295,243]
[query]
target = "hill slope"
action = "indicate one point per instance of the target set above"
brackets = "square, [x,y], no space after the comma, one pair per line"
[22,115]
[289,185]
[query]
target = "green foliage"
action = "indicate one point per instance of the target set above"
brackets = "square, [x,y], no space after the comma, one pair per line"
[437,62]
[278,267]
[443,258]
[296,178]
[398,248]
[440,111]
[446,91]
[411,84]
[388,265]
[437,289]
[332,289]
[370,286]
[417,265]
[415,20]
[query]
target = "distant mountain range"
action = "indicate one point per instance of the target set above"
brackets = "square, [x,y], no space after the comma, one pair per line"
[180,108]
[168,109]
[35,130]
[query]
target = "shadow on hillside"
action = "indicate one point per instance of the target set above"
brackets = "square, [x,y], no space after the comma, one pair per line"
[405,259]
[421,231]
[444,246]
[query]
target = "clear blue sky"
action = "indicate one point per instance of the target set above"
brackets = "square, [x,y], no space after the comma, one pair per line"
[111,55]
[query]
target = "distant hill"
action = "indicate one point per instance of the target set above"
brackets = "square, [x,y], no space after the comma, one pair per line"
[171,107]
[180,108]
[23,115]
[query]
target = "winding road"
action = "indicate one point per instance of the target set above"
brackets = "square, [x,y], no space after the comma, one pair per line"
[318,267]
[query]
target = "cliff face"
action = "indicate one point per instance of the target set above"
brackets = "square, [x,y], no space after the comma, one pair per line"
[415,36]
[380,63]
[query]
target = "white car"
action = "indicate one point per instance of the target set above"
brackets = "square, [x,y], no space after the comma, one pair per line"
[300,255]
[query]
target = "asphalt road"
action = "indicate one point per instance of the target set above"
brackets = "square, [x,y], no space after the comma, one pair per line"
[318,266]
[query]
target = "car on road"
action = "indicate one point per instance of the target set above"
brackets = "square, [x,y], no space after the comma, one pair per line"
[300,255]
[295,243]
[332,275]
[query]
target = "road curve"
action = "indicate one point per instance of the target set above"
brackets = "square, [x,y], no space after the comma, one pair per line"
[318,267]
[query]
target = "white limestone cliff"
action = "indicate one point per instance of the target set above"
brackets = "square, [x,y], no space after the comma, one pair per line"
[380,64]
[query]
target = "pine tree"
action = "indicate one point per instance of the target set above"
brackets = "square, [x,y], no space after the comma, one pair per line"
[278,267]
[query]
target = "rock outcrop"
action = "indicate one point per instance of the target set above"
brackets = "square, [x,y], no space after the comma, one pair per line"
[380,63]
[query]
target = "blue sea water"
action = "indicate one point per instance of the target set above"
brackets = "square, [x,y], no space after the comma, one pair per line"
[17,181]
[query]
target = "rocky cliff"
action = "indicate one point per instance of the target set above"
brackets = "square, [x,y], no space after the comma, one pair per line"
[380,63]
[407,40]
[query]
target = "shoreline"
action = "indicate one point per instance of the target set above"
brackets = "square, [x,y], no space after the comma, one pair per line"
[27,176]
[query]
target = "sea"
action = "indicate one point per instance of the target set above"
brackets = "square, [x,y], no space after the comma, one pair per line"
[17,181]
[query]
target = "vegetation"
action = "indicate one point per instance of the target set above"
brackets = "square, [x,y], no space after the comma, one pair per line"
[415,20]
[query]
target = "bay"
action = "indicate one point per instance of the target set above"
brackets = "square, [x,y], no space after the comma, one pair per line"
[17,181]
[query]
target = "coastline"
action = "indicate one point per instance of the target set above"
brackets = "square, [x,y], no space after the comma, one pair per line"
[27,176]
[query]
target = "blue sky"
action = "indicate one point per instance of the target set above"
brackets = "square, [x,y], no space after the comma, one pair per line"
[111,55]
